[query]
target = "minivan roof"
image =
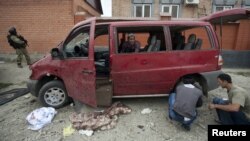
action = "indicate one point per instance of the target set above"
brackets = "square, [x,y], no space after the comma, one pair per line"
[138,21]
[225,16]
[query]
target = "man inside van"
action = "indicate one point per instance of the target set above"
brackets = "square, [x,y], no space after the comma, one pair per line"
[235,110]
[183,103]
[131,45]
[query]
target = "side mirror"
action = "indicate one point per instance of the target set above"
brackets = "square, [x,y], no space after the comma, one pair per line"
[55,53]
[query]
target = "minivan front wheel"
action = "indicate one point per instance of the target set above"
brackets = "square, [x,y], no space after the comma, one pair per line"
[53,94]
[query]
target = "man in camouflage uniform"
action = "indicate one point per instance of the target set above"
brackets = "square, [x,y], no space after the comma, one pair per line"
[19,44]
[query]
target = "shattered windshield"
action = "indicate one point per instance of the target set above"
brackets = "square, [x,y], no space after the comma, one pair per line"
[78,44]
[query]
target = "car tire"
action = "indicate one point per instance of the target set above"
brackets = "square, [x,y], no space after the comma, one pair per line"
[53,94]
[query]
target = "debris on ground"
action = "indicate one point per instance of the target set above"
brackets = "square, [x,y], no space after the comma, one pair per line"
[67,131]
[146,111]
[86,132]
[27,96]
[38,118]
[99,120]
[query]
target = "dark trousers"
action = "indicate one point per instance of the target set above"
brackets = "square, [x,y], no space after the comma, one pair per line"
[230,118]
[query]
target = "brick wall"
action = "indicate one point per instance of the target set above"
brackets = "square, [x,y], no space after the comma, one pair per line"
[121,8]
[235,36]
[44,23]
[229,34]
[243,36]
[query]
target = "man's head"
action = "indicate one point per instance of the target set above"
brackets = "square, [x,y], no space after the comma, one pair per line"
[12,31]
[131,38]
[224,80]
[188,80]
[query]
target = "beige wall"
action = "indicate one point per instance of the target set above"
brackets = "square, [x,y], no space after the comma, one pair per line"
[123,8]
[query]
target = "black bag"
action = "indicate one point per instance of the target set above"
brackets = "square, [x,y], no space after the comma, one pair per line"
[11,42]
[23,39]
[14,44]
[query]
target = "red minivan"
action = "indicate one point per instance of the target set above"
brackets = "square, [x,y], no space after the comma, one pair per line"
[90,66]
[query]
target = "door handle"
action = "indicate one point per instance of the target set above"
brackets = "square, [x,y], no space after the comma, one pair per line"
[88,71]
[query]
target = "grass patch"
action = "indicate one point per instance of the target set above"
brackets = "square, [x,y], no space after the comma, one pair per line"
[4,85]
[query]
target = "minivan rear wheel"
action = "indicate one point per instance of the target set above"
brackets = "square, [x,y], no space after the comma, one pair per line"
[53,94]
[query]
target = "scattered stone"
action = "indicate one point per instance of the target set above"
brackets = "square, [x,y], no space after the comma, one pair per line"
[140,126]
[86,132]
[27,96]
[1,120]
[146,111]
[33,101]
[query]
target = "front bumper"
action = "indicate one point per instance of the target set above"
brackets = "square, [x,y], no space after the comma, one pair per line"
[32,86]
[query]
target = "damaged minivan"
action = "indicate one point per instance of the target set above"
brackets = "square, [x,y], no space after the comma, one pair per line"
[90,66]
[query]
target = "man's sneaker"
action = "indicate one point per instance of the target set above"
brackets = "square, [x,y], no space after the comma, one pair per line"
[186,127]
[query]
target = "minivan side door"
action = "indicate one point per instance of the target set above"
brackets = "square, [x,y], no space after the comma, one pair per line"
[145,73]
[77,68]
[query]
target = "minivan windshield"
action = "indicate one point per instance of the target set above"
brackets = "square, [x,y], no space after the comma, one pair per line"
[78,43]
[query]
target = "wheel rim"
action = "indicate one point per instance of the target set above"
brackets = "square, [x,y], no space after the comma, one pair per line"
[54,96]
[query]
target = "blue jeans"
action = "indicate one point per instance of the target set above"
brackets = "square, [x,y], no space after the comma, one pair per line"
[174,115]
[230,118]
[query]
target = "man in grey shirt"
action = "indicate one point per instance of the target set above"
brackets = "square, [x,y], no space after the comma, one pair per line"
[183,103]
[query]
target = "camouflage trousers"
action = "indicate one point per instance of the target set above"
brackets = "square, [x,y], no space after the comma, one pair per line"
[20,52]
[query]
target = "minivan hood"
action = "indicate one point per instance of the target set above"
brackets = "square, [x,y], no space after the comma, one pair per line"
[41,61]
[231,15]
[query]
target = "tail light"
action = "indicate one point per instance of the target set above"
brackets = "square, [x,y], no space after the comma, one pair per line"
[220,60]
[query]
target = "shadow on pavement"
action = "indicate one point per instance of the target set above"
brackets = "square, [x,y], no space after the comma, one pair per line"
[10,95]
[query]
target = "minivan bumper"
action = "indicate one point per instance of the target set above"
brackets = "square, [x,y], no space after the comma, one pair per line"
[211,79]
[32,86]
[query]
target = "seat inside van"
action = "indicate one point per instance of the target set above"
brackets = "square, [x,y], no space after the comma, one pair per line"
[190,42]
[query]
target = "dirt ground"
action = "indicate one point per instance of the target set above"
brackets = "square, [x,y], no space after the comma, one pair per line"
[132,127]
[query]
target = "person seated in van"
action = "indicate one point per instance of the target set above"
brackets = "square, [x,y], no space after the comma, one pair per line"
[131,45]
[183,103]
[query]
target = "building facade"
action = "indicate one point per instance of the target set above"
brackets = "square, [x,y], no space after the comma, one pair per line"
[44,23]
[175,8]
